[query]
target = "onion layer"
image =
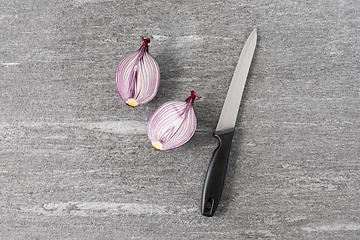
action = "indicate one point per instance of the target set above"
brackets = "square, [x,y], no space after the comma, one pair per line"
[172,124]
[138,76]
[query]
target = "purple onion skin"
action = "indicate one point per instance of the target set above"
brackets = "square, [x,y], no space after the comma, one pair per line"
[173,124]
[138,76]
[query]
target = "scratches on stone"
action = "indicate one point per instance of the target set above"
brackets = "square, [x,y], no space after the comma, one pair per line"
[103,209]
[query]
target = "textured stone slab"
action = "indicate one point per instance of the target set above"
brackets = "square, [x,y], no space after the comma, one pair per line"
[76,163]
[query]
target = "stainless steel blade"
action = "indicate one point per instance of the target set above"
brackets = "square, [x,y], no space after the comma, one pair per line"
[232,102]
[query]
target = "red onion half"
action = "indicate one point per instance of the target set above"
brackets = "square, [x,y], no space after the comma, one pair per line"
[172,124]
[138,76]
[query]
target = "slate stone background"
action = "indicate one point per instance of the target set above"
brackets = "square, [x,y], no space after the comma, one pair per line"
[76,163]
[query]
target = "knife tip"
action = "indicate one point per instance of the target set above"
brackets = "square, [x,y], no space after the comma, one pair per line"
[254,33]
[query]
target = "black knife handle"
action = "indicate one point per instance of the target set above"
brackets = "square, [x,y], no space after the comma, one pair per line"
[215,176]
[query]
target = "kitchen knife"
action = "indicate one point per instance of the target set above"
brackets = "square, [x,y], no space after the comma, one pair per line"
[215,176]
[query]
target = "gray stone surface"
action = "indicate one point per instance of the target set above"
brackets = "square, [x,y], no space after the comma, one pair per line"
[76,162]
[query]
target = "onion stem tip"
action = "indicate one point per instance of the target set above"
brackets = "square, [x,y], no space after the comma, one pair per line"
[132,102]
[157,145]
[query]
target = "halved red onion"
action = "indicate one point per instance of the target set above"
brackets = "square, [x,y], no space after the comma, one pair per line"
[138,76]
[172,124]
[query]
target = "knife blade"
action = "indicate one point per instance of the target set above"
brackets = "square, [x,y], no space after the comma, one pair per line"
[215,176]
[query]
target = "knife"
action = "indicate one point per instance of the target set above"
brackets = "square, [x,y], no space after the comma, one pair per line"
[215,176]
